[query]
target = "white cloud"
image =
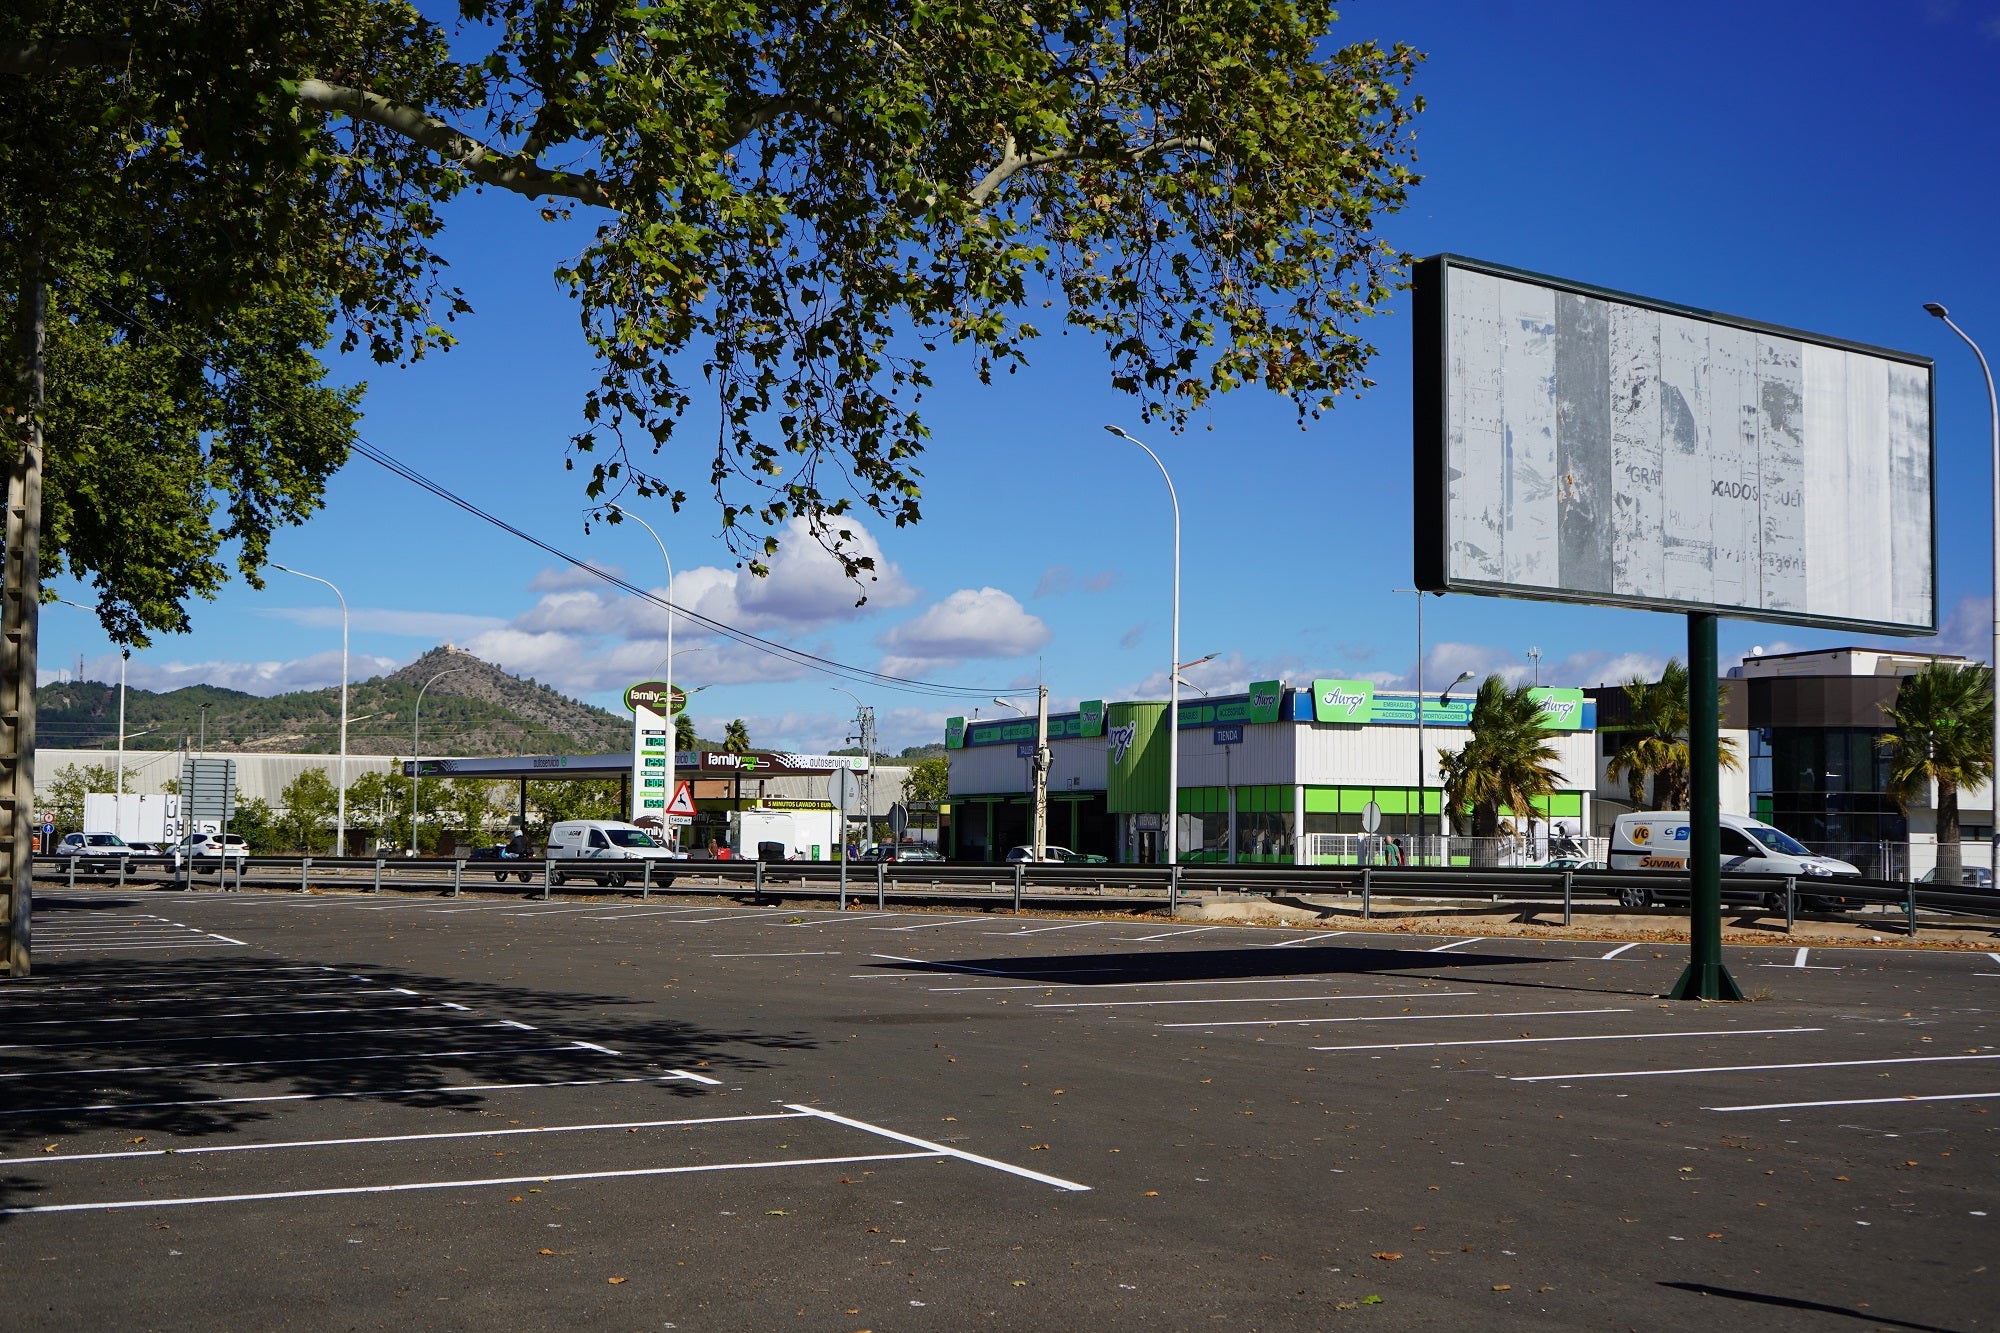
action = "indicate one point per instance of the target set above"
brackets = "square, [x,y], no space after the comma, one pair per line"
[983,622]
[318,671]
[561,578]
[436,626]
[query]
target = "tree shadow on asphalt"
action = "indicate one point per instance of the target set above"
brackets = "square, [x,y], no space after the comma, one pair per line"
[110,1049]
[1126,969]
[1814,1307]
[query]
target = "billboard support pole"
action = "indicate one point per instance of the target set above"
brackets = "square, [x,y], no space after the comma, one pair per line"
[1705,978]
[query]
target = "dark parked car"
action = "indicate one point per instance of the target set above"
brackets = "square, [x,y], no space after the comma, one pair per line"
[1977,879]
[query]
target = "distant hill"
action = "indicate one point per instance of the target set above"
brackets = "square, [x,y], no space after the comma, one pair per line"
[477,710]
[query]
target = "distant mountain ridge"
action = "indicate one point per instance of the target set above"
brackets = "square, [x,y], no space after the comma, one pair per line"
[477,709]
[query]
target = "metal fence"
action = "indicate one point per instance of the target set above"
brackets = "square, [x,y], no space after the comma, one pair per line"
[1432,849]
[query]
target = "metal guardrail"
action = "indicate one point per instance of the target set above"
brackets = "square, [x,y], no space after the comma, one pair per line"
[1044,886]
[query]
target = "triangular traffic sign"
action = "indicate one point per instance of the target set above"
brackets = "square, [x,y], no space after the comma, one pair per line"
[683,802]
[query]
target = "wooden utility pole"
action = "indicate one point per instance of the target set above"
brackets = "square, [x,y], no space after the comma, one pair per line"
[19,607]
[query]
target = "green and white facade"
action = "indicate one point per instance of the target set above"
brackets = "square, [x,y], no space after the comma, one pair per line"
[1259,772]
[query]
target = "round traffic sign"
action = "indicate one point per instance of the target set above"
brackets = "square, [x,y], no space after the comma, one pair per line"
[1371,817]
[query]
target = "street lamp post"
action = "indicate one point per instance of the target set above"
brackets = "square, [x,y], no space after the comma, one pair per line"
[340,815]
[864,718]
[1422,783]
[416,753]
[124,658]
[1173,679]
[666,816]
[1993,412]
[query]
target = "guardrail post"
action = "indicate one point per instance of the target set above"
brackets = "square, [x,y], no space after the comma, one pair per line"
[72,872]
[305,871]
[757,892]
[121,870]
[1367,890]
[1791,902]
[645,879]
[457,874]
[881,883]
[377,886]
[1173,888]
[1911,911]
[1569,880]
[1018,869]
[548,873]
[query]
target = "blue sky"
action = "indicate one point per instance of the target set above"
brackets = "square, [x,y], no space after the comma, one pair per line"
[1828,166]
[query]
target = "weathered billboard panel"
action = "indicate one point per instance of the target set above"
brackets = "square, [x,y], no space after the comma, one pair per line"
[1583,445]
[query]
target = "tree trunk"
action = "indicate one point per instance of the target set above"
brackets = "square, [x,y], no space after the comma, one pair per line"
[19,605]
[1485,833]
[1950,851]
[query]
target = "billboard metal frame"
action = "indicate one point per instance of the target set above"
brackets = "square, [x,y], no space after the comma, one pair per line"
[1430,420]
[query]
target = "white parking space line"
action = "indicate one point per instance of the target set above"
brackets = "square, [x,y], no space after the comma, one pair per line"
[816,953]
[673,1077]
[934,925]
[838,919]
[38,1159]
[1620,949]
[1755,1069]
[305,1060]
[134,948]
[460,1184]
[941,1149]
[1863,1101]
[254,1036]
[1167,935]
[1386,1018]
[1308,939]
[1539,1041]
[250,1013]
[223,999]
[1043,930]
[1145,985]
[233,975]
[1248,999]
[664,911]
[1455,944]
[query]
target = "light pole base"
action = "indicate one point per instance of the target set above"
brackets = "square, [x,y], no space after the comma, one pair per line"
[1705,981]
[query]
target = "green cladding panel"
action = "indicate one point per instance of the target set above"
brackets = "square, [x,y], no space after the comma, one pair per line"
[1136,758]
[1090,718]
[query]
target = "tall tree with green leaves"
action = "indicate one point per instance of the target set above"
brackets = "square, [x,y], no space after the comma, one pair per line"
[1654,740]
[309,802]
[736,737]
[63,795]
[1507,763]
[684,737]
[792,210]
[929,780]
[1943,717]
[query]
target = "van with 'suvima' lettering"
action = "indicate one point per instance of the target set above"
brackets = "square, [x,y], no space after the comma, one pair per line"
[1658,840]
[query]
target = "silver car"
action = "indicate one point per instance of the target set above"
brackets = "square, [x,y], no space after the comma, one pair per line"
[94,851]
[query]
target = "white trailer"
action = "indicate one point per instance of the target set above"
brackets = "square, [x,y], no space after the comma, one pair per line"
[136,817]
[805,835]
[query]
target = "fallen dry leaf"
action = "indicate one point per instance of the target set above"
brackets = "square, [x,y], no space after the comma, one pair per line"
[1389,1255]
[1503,1286]
[614,1281]
[1039,1147]
[544,1251]
[1152,1194]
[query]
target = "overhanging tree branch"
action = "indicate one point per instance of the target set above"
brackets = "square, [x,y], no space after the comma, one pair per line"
[1013,163]
[486,164]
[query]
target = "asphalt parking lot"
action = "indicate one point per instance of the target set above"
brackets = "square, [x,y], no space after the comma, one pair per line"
[283,1110]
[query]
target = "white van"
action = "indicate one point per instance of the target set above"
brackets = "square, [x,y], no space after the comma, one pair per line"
[613,849]
[1658,840]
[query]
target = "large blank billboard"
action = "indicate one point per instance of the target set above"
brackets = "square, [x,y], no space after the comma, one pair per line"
[1584,445]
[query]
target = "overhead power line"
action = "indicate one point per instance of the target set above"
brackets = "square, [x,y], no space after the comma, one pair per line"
[382,458]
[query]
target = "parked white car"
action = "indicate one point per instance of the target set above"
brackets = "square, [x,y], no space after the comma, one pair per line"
[217,848]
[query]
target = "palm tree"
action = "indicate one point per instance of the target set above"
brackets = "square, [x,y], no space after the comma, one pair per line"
[1654,741]
[1508,762]
[684,737]
[736,738]
[1944,735]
